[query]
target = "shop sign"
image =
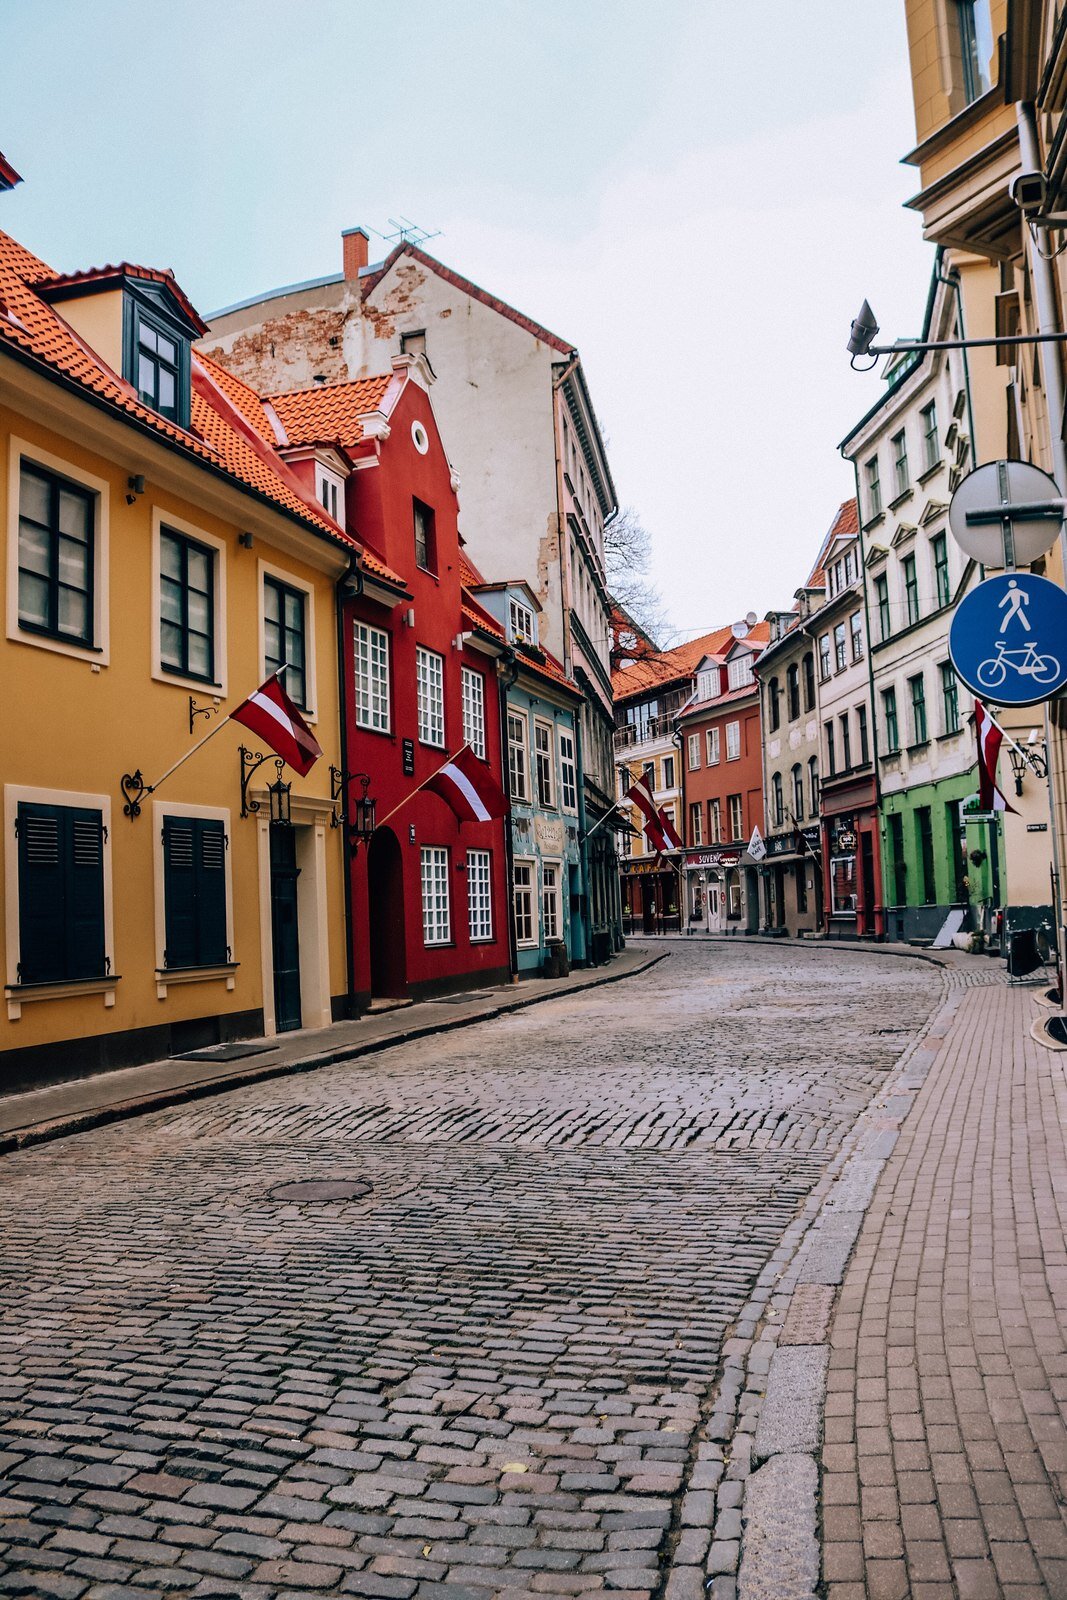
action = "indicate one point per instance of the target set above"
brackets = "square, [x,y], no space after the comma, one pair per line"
[639,869]
[812,837]
[845,841]
[712,858]
[548,832]
[781,844]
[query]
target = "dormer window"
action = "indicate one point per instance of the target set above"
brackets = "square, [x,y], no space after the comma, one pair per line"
[521,624]
[707,684]
[156,349]
[739,672]
[328,496]
[158,368]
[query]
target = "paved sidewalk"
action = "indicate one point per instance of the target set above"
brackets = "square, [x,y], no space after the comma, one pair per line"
[944,1462]
[59,1109]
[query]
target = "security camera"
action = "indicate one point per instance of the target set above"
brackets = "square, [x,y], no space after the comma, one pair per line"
[1029,192]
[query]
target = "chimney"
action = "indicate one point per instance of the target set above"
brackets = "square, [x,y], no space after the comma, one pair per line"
[355,243]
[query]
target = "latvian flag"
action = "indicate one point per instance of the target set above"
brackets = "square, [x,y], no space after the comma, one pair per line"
[467,785]
[272,717]
[658,828]
[989,742]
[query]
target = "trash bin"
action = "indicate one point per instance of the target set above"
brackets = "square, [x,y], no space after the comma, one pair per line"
[1023,954]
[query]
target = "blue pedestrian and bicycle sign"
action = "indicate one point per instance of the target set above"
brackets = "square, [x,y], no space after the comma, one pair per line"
[1008,639]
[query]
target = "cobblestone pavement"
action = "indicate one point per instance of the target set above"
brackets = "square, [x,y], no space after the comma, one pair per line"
[486,1375]
[945,1455]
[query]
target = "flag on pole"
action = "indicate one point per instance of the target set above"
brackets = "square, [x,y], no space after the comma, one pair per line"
[272,717]
[659,830]
[989,742]
[468,786]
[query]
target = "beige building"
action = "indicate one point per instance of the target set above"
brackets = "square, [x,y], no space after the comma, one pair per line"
[515,411]
[989,80]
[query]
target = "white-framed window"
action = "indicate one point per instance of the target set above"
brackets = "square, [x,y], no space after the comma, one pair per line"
[693,745]
[696,823]
[332,495]
[287,634]
[479,896]
[711,739]
[371,656]
[668,772]
[708,683]
[57,576]
[59,915]
[523,886]
[715,821]
[736,822]
[436,911]
[430,679]
[546,787]
[474,710]
[518,758]
[521,623]
[739,672]
[568,771]
[188,605]
[552,919]
[733,741]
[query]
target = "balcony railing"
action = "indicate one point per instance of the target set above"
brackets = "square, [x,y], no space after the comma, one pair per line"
[635,733]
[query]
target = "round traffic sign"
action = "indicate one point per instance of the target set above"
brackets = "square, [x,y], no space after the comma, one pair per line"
[982,494]
[1008,639]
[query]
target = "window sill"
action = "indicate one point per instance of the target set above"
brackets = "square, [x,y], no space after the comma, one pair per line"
[166,976]
[95,654]
[18,994]
[953,733]
[931,471]
[184,680]
[872,522]
[902,497]
[917,749]
[383,733]
[482,942]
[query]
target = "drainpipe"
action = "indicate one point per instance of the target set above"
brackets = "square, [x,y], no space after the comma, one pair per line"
[1048,321]
[876,771]
[507,672]
[683,823]
[561,531]
[350,583]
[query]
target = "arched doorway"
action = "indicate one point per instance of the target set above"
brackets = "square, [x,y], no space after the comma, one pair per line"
[385,895]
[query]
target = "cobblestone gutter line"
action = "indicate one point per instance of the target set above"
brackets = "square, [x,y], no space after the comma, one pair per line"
[757,1464]
[180,1093]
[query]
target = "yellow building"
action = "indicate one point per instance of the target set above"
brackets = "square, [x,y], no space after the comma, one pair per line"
[162,559]
[989,80]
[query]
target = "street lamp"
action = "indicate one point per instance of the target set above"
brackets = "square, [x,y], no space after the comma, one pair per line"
[365,820]
[278,794]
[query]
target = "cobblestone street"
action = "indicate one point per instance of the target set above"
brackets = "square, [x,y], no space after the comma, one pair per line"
[486,1373]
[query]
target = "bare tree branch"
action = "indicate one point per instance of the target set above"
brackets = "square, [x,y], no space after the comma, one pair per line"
[628,558]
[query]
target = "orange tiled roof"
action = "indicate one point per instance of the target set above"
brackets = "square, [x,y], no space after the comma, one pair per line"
[846,525]
[228,429]
[661,667]
[122,269]
[330,411]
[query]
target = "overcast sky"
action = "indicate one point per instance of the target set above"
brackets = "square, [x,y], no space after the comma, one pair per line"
[697,195]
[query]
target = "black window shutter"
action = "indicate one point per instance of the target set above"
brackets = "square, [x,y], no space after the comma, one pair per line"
[61,893]
[211,894]
[194,887]
[41,934]
[85,893]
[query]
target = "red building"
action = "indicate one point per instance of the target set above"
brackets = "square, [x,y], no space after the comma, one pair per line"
[429,908]
[722,768]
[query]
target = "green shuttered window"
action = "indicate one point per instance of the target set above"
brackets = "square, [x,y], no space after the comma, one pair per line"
[194,890]
[61,894]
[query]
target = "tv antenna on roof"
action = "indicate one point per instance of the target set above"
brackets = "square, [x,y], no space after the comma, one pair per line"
[407,232]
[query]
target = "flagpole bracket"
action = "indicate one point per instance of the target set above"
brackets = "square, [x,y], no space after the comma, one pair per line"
[200,711]
[251,761]
[134,790]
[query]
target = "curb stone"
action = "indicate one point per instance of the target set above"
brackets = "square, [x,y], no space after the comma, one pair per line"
[768,1410]
[180,1094]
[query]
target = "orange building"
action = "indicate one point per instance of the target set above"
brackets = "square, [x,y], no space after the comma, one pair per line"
[723,786]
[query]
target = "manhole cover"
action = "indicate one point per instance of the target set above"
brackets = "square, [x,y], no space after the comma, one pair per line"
[321,1189]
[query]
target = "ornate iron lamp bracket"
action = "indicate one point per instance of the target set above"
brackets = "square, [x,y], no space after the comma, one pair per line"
[251,761]
[134,790]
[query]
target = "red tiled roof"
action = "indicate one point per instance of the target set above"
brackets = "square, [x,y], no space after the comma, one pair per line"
[369,282]
[122,269]
[846,525]
[228,429]
[661,667]
[329,412]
